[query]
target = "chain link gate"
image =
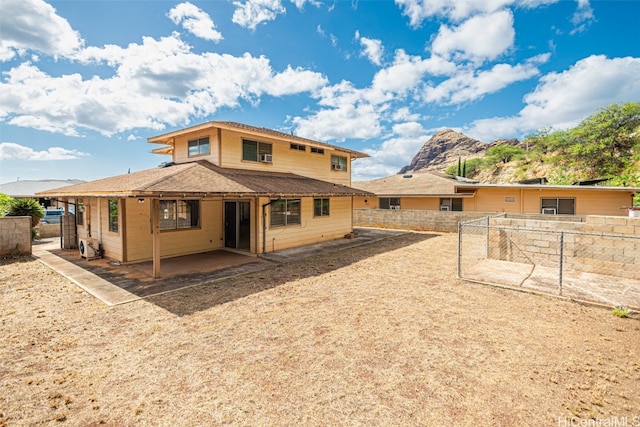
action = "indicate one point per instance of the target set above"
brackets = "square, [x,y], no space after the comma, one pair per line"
[602,268]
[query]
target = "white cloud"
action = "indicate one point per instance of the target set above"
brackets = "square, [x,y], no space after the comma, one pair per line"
[300,3]
[479,38]
[407,72]
[35,25]
[372,49]
[155,83]
[13,151]
[393,154]
[582,17]
[254,12]
[458,10]
[347,121]
[563,99]
[195,20]
[472,85]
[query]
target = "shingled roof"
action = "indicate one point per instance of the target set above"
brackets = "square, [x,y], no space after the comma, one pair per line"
[200,179]
[416,184]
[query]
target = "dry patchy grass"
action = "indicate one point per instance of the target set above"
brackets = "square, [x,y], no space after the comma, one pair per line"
[377,335]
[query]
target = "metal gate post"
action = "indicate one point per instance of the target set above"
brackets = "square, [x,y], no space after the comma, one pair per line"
[560,263]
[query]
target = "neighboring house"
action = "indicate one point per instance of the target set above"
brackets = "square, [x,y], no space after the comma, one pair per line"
[228,185]
[435,191]
[27,189]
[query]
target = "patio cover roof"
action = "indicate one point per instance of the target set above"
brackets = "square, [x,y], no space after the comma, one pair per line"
[202,179]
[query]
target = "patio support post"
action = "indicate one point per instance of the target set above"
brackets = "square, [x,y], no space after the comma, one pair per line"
[155,221]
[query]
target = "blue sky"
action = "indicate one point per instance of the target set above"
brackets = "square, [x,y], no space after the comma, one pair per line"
[84,83]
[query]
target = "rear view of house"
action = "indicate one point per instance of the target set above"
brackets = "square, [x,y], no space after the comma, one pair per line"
[225,185]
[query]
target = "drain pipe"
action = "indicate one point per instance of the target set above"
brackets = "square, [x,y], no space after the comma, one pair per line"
[264,224]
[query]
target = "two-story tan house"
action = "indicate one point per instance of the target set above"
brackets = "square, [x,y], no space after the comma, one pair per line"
[227,186]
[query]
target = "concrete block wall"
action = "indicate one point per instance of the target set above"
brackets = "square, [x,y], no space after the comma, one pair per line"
[602,245]
[15,235]
[419,220]
[48,230]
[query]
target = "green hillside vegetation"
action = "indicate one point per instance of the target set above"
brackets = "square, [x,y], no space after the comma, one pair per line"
[604,145]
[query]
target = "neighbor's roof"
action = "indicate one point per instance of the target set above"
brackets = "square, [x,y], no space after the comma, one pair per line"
[28,188]
[423,184]
[203,178]
[413,184]
[167,138]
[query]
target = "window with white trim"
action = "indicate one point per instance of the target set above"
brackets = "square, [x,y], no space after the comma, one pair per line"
[338,163]
[113,215]
[199,147]
[320,207]
[451,204]
[179,214]
[285,212]
[558,206]
[253,150]
[389,203]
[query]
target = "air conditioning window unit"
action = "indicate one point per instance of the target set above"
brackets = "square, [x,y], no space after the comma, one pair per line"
[548,211]
[266,158]
[89,248]
[395,207]
[336,167]
[444,208]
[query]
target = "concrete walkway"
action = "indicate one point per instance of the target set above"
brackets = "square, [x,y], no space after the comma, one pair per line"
[114,283]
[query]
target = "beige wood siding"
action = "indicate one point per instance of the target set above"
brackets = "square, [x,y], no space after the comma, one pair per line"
[588,202]
[312,229]
[497,200]
[181,147]
[304,163]
[175,242]
[110,241]
[360,202]
[420,203]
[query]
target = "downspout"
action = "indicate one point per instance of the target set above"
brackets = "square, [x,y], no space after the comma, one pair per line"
[264,224]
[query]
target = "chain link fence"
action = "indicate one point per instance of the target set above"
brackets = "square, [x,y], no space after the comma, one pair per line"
[556,259]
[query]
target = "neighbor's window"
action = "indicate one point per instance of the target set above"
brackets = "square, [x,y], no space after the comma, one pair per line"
[450,204]
[113,215]
[79,212]
[198,147]
[558,206]
[177,214]
[320,207]
[390,203]
[252,150]
[338,163]
[317,150]
[299,147]
[285,212]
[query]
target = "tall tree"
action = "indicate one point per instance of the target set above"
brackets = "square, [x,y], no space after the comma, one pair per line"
[607,140]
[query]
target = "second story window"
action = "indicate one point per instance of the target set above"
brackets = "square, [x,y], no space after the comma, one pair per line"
[198,147]
[298,147]
[317,150]
[255,151]
[338,163]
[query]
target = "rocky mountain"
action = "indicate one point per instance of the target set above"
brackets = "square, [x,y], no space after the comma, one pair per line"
[445,147]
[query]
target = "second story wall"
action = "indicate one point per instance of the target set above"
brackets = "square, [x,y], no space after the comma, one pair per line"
[182,154]
[285,156]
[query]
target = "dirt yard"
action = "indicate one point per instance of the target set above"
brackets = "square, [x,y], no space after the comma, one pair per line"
[378,335]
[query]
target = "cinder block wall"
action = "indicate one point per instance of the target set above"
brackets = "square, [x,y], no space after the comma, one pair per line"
[602,245]
[15,235]
[49,230]
[419,220]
